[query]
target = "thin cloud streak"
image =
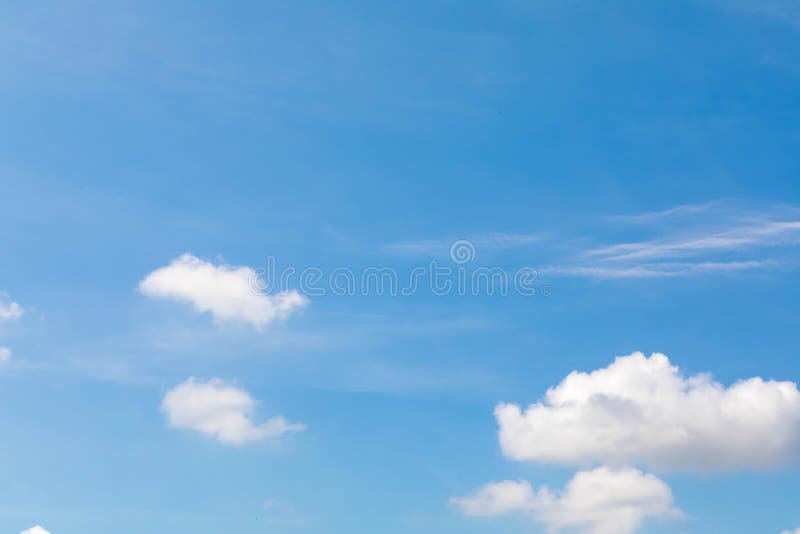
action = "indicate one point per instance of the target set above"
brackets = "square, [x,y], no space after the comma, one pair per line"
[664,270]
[715,237]
[710,238]
[786,11]
[677,211]
[485,241]
[760,235]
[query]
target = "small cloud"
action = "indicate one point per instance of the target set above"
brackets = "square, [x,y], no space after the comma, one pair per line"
[9,311]
[600,501]
[222,412]
[5,355]
[225,291]
[35,530]
[497,498]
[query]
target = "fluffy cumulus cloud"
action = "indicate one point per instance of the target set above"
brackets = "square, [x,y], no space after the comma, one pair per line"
[600,501]
[642,410]
[35,530]
[226,292]
[9,311]
[220,411]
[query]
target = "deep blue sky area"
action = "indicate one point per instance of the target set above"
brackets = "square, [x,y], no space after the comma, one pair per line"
[640,158]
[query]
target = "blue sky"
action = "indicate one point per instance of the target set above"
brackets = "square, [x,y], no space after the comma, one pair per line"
[641,158]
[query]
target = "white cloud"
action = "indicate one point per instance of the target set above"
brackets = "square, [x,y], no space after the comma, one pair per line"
[9,311]
[35,530]
[220,411]
[795,531]
[600,501]
[224,291]
[641,410]
[5,355]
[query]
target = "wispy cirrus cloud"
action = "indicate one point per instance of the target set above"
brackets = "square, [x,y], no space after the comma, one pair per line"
[655,270]
[770,233]
[787,11]
[717,237]
[657,215]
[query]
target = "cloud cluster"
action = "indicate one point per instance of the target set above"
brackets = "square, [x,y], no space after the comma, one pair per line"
[641,410]
[636,411]
[224,291]
[220,411]
[600,501]
[35,530]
